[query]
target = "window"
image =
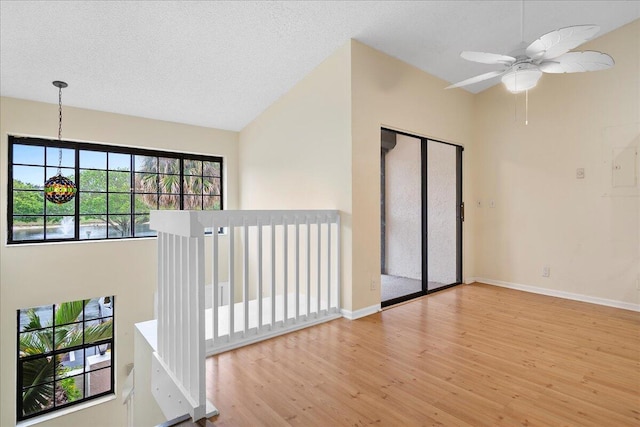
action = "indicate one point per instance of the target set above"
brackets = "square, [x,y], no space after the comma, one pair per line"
[64,355]
[117,188]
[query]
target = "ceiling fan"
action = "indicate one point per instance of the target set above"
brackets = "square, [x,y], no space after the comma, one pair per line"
[522,68]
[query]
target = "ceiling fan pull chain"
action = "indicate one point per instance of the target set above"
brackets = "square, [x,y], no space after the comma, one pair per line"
[526,107]
[515,100]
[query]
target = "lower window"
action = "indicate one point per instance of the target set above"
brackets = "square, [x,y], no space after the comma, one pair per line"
[64,355]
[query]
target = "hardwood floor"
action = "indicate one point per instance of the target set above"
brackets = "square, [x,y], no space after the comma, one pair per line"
[473,355]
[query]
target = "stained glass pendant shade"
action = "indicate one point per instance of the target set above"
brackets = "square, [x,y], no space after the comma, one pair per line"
[59,189]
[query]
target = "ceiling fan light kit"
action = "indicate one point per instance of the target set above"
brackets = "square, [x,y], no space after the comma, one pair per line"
[520,80]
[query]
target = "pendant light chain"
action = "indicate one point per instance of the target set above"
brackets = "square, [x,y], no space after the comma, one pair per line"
[59,189]
[60,129]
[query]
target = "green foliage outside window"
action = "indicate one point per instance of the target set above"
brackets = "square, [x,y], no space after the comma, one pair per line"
[117,189]
[45,381]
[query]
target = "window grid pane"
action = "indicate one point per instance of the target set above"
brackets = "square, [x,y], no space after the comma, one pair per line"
[64,354]
[117,188]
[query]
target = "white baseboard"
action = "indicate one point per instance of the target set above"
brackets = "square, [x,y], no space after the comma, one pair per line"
[353,315]
[556,293]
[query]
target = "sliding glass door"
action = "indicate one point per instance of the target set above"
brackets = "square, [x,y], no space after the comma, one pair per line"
[443,214]
[421,216]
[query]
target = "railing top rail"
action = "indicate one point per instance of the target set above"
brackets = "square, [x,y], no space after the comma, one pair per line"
[192,223]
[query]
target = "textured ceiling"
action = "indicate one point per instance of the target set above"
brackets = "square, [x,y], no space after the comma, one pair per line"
[220,64]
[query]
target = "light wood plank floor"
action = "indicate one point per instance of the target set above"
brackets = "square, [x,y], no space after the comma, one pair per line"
[473,355]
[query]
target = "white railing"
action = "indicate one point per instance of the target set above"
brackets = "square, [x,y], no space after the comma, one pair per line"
[280,271]
[178,367]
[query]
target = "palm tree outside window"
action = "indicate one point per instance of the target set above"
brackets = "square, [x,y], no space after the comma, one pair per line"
[117,189]
[64,355]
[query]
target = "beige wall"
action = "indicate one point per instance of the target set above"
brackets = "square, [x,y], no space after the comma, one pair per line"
[389,93]
[30,274]
[297,153]
[543,215]
[318,147]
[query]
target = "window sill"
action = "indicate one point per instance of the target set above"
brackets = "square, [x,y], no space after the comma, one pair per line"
[66,411]
[27,244]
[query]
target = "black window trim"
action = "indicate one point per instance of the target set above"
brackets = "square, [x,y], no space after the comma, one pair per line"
[109,341]
[103,148]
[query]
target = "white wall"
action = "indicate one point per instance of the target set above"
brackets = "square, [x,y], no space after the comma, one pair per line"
[441,213]
[543,214]
[30,274]
[403,205]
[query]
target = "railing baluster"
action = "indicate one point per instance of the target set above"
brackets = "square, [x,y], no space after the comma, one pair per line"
[245,278]
[182,288]
[171,324]
[308,267]
[215,282]
[285,239]
[297,269]
[319,267]
[273,273]
[188,319]
[328,264]
[259,275]
[338,265]
[162,289]
[232,283]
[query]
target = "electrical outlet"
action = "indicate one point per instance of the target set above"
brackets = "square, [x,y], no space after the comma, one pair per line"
[546,271]
[580,173]
[373,284]
[492,203]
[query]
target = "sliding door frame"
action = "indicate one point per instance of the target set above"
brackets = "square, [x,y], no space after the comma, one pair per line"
[424,221]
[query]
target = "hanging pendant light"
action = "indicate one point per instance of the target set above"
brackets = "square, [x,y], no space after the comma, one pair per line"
[59,189]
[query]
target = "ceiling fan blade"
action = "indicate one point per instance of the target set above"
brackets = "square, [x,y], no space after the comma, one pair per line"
[476,79]
[577,62]
[488,58]
[555,43]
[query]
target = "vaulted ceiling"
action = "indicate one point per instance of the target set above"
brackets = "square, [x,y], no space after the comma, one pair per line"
[220,64]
